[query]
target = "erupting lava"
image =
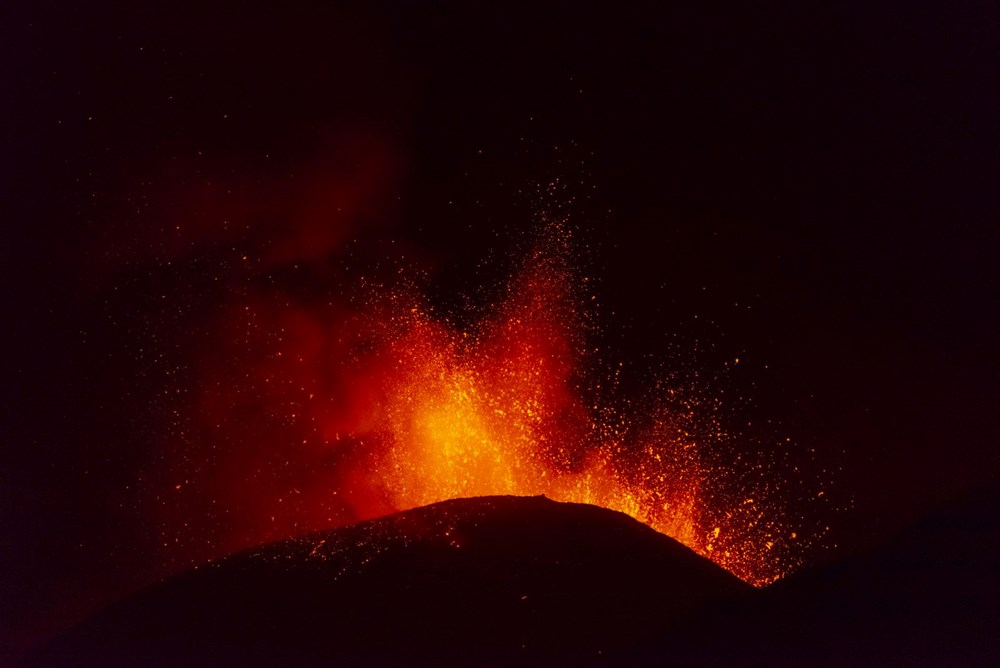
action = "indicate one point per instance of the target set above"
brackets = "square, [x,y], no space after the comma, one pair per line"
[348,413]
[512,405]
[501,410]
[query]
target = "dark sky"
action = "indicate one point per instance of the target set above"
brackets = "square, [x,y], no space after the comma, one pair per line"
[810,187]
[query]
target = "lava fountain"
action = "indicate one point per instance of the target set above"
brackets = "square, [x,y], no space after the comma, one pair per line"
[309,415]
[514,404]
[501,409]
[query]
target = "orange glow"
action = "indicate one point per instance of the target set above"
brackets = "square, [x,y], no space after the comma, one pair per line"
[320,410]
[497,414]
[511,405]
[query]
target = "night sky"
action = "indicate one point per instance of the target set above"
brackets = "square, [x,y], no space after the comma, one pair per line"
[808,187]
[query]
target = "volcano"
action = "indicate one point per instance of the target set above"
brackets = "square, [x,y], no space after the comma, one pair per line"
[504,580]
[481,580]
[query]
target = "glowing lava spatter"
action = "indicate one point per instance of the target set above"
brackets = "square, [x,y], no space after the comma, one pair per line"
[309,412]
[512,405]
[499,411]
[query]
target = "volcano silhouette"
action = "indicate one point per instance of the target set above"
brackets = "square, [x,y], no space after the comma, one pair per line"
[928,596]
[484,580]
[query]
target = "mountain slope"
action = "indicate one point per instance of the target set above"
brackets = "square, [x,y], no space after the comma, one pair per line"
[490,579]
